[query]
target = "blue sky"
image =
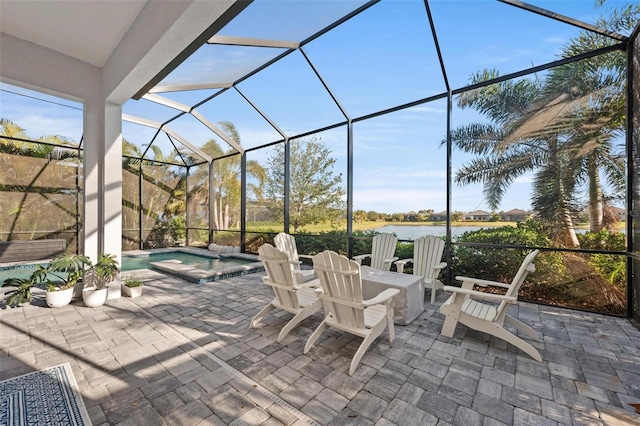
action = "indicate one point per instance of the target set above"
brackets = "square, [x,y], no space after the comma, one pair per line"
[381,58]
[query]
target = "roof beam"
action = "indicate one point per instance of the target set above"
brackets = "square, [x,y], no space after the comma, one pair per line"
[215,129]
[189,110]
[169,131]
[562,18]
[252,42]
[167,102]
[184,87]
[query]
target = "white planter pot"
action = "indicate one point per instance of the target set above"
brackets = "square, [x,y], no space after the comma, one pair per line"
[93,297]
[57,299]
[132,291]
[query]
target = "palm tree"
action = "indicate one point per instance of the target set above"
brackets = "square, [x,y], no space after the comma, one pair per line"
[40,184]
[561,128]
[506,150]
[597,120]
[226,189]
[11,130]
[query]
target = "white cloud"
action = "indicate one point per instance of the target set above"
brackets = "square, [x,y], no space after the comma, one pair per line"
[555,40]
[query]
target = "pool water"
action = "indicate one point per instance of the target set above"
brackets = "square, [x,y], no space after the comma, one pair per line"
[23,271]
[131,263]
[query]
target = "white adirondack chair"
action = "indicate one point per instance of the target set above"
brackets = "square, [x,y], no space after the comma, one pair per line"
[427,262]
[298,299]
[287,243]
[341,296]
[382,253]
[488,318]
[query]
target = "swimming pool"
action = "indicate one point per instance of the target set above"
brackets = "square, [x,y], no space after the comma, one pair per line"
[194,265]
[17,271]
[131,263]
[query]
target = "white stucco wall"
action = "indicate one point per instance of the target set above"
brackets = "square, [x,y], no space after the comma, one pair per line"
[160,32]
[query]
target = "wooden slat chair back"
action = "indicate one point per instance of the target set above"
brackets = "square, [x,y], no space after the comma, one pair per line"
[287,243]
[277,266]
[298,299]
[427,262]
[344,307]
[526,268]
[342,289]
[383,248]
[467,306]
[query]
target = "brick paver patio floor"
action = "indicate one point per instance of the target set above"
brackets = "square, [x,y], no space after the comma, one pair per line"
[183,354]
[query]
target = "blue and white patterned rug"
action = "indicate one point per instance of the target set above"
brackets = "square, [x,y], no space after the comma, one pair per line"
[47,397]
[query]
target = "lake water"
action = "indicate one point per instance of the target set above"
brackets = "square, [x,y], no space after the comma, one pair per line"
[411,232]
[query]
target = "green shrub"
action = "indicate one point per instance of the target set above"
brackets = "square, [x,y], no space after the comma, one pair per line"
[611,267]
[603,240]
[328,240]
[226,238]
[500,264]
[255,240]
[178,228]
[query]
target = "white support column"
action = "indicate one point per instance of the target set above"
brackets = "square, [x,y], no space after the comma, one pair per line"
[111,239]
[102,178]
[103,181]
[93,143]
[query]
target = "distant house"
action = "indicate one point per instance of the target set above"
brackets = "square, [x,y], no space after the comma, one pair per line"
[514,215]
[439,217]
[477,215]
[411,216]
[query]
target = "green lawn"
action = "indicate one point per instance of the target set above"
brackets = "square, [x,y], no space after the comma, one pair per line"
[362,226]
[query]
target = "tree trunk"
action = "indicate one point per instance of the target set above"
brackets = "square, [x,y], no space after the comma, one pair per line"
[596,212]
[214,213]
[226,216]
[571,239]
[220,218]
[568,232]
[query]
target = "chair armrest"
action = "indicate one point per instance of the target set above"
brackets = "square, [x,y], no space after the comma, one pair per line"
[440,266]
[359,258]
[310,284]
[305,256]
[383,297]
[481,294]
[392,259]
[482,283]
[400,264]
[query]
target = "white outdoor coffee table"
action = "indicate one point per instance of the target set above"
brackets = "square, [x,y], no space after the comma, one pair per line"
[409,304]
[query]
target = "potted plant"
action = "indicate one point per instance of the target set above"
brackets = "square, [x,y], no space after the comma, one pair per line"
[132,286]
[22,293]
[97,277]
[68,269]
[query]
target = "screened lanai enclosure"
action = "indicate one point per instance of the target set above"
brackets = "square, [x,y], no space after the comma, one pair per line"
[501,126]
